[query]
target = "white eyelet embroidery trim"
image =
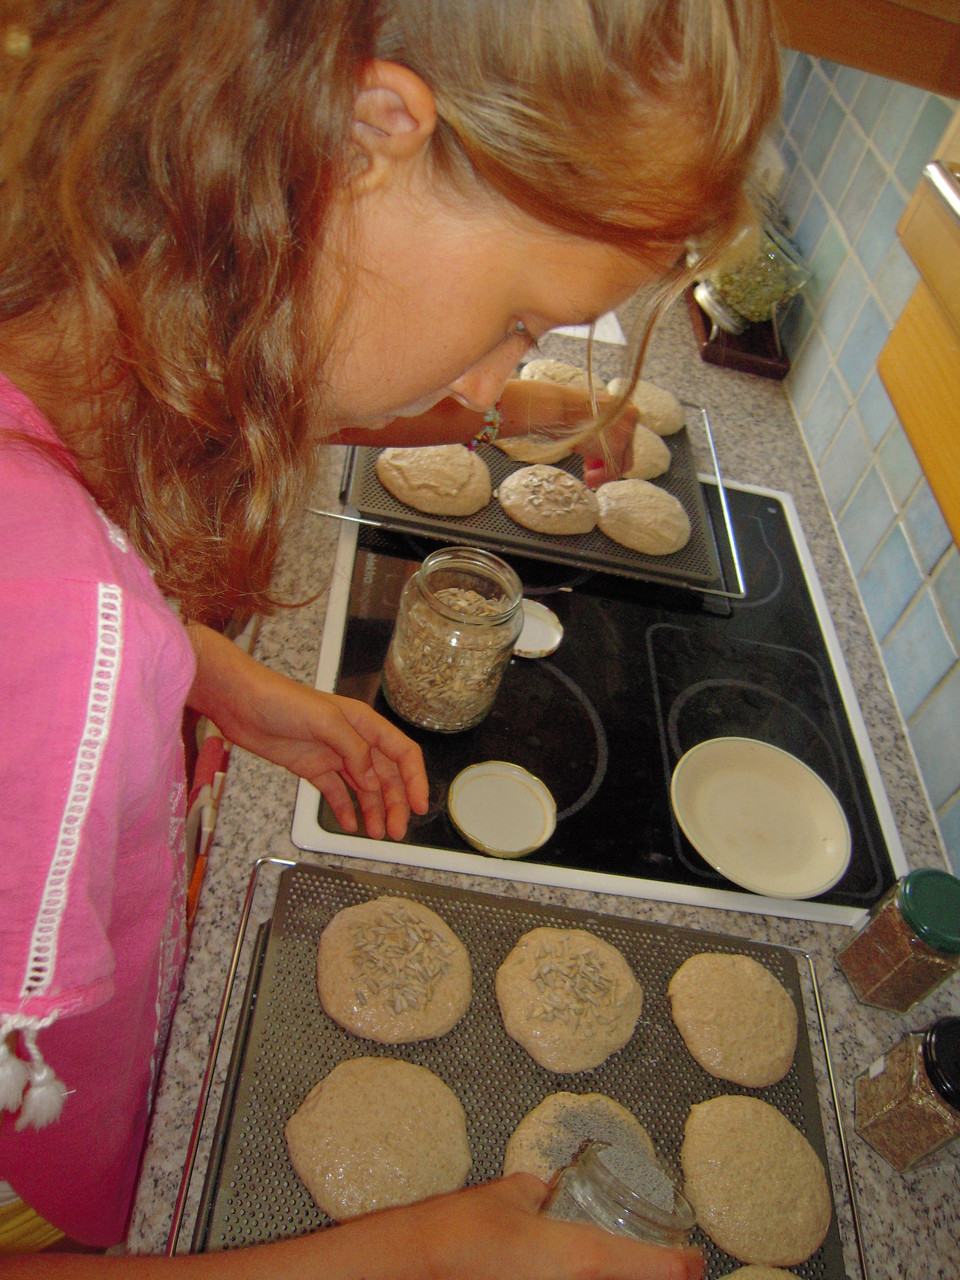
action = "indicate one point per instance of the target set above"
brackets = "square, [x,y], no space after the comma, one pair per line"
[100,703]
[115,534]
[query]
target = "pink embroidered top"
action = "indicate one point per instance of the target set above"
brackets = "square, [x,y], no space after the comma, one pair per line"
[94,670]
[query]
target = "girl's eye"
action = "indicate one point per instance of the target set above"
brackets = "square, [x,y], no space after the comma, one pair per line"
[521,331]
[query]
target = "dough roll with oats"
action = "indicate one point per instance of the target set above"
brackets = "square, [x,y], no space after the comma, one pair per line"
[757,1186]
[378,1132]
[736,1019]
[569,998]
[393,971]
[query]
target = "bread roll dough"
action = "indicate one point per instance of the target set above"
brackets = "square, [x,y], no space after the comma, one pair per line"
[548,500]
[736,1019]
[534,448]
[649,456]
[642,516]
[377,1132]
[569,998]
[543,369]
[549,1136]
[757,1186]
[392,970]
[659,409]
[440,480]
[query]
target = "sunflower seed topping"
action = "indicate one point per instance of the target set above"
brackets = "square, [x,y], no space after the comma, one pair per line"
[398,960]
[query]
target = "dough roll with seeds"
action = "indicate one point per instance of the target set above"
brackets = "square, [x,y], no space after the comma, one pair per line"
[569,998]
[548,500]
[378,1132]
[393,971]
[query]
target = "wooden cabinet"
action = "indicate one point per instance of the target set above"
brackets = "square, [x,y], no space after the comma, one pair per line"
[920,363]
[917,41]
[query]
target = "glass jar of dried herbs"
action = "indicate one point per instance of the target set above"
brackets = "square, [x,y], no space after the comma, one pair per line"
[909,944]
[907,1105]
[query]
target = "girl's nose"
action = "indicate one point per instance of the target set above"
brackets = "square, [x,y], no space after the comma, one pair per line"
[480,386]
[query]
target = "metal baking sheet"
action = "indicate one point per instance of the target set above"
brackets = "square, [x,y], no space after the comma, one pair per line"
[696,564]
[287,1044]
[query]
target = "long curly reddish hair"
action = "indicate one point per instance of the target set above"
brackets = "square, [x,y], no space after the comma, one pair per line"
[167,168]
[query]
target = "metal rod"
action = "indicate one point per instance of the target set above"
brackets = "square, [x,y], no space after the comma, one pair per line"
[845,1152]
[343,515]
[178,1209]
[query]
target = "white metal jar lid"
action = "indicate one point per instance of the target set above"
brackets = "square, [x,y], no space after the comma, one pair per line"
[501,808]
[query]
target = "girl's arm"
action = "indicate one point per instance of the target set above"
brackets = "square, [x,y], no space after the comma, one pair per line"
[488,1232]
[527,405]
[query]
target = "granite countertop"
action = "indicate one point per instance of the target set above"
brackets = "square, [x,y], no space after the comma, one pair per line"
[910,1224]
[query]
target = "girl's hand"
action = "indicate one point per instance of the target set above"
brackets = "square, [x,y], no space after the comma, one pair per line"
[494,1231]
[340,745]
[607,455]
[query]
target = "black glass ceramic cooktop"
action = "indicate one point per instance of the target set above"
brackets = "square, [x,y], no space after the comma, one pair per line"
[644,672]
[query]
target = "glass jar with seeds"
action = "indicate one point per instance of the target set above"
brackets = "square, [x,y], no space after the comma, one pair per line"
[907,1105]
[624,1190]
[459,618]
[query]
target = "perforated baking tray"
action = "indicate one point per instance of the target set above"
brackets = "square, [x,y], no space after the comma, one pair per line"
[696,564]
[285,1044]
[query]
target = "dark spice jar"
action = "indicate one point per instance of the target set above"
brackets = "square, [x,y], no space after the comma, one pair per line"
[908,1102]
[909,944]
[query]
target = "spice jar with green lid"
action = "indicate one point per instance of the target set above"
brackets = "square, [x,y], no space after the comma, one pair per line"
[907,1105]
[909,944]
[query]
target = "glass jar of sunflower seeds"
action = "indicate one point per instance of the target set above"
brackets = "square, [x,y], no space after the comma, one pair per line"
[459,618]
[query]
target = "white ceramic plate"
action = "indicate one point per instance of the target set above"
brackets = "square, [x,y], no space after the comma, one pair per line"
[542,631]
[501,808]
[761,817]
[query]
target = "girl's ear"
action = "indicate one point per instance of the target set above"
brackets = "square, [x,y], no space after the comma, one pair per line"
[394,115]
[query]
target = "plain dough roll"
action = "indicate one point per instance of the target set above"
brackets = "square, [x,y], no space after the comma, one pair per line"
[737,1020]
[659,409]
[543,369]
[642,516]
[378,1132]
[756,1184]
[440,480]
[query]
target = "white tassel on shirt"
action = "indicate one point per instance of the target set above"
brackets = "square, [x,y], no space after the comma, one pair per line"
[32,1088]
[13,1078]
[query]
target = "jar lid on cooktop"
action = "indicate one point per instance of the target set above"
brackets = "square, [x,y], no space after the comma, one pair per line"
[929,901]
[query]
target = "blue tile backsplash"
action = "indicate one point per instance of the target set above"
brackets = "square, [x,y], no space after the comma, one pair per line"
[854,146]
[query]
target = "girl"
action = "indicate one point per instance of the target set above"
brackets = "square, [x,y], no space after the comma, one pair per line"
[229,231]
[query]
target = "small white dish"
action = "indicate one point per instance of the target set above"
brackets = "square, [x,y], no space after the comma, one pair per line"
[761,817]
[501,808]
[542,631]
